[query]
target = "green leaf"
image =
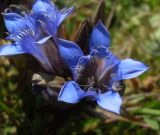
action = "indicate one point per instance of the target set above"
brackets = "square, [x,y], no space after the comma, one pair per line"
[149,111]
[152,123]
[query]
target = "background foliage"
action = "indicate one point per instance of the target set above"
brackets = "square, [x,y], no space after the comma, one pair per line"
[135,32]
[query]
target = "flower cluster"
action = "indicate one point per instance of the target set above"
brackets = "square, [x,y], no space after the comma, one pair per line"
[96,76]
[34,33]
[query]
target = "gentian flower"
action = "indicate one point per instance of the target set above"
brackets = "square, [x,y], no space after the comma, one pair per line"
[48,15]
[25,34]
[98,75]
[30,36]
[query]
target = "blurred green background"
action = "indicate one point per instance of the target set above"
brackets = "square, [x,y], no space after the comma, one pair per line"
[135,31]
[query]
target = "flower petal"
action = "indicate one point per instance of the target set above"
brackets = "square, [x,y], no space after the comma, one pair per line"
[110,101]
[99,36]
[131,68]
[43,40]
[42,6]
[32,23]
[91,93]
[9,49]
[107,65]
[45,12]
[63,14]
[71,93]
[48,23]
[70,53]
[14,22]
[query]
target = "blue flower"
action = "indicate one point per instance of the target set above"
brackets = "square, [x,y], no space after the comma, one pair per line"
[26,36]
[48,15]
[97,75]
[35,34]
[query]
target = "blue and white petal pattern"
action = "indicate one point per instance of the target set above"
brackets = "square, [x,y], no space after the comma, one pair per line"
[26,34]
[97,72]
[35,33]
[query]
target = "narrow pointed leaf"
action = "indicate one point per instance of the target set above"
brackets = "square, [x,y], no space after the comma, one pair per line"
[100,14]
[82,38]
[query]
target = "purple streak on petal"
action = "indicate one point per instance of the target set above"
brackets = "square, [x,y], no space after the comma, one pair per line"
[99,36]
[110,101]
[71,93]
[131,68]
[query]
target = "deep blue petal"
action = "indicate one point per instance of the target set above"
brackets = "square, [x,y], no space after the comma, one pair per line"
[45,12]
[71,93]
[14,22]
[28,43]
[99,36]
[110,101]
[70,52]
[131,68]
[84,60]
[42,6]
[49,23]
[31,23]
[91,93]
[9,49]
[63,14]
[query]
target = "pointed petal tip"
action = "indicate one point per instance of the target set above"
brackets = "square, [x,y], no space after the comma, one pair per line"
[130,68]
[99,36]
[9,50]
[63,14]
[70,93]
[110,101]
